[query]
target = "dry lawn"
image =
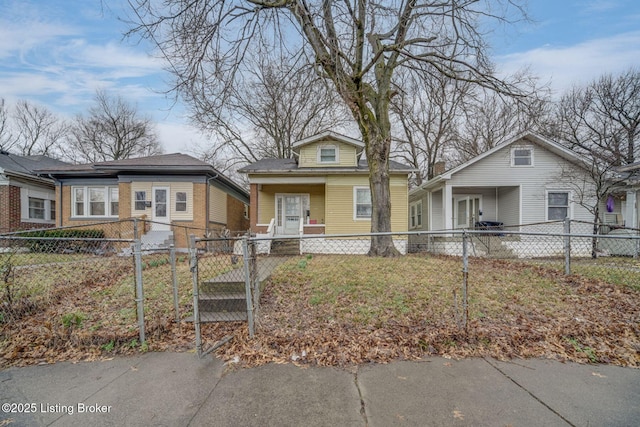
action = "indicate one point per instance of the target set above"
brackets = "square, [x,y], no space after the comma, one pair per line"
[336,310]
[339,311]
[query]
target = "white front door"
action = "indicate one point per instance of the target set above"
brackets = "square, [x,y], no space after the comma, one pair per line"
[289,213]
[292,214]
[160,209]
[466,211]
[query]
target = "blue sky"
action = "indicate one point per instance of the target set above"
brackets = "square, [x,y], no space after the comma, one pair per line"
[58,52]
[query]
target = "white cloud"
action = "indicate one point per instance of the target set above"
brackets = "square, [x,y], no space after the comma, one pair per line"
[178,137]
[578,64]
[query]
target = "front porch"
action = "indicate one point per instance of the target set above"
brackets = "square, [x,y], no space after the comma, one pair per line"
[281,210]
[452,207]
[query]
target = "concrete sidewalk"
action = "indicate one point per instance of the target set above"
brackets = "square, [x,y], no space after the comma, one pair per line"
[178,389]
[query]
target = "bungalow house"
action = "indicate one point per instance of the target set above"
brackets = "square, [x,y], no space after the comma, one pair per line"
[27,198]
[176,193]
[527,179]
[323,189]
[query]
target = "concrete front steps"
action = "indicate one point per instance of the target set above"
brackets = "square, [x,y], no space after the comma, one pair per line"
[224,299]
[285,247]
[155,240]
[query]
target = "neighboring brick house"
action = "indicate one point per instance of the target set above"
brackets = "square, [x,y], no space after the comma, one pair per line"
[27,198]
[178,195]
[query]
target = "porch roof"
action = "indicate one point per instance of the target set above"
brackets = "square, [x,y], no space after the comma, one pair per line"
[552,146]
[280,166]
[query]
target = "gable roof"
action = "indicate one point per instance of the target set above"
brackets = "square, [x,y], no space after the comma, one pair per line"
[530,137]
[328,135]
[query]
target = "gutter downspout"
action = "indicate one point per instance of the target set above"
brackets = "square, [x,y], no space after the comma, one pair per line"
[207,202]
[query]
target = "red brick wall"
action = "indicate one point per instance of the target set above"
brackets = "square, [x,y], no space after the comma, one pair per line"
[10,211]
[236,220]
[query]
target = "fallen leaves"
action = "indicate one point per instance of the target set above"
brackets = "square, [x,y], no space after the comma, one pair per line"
[367,311]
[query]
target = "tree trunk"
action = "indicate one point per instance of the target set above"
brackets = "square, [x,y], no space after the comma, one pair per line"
[378,148]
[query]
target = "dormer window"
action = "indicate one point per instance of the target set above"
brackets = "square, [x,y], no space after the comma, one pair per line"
[522,156]
[328,154]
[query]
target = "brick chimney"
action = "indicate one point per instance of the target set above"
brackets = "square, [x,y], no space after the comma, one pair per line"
[439,168]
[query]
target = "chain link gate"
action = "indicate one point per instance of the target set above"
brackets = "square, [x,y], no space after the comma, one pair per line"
[223,272]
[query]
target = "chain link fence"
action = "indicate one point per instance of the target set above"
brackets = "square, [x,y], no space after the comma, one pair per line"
[104,288]
[95,289]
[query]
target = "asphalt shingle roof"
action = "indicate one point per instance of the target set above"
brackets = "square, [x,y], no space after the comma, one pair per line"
[27,164]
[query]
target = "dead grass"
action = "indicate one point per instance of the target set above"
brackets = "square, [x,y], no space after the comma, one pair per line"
[335,310]
[352,310]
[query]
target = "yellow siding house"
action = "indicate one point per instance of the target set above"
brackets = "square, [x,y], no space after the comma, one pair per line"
[323,189]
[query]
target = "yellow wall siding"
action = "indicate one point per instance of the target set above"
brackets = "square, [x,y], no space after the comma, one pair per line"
[140,186]
[184,187]
[267,200]
[309,155]
[340,205]
[217,205]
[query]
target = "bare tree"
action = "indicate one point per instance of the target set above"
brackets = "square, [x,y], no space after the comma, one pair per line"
[357,45]
[37,130]
[6,136]
[274,104]
[112,130]
[427,109]
[602,119]
[490,118]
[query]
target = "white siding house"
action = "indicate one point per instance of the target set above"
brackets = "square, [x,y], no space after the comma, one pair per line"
[521,181]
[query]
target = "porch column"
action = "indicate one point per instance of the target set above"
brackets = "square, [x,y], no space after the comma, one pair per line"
[631,210]
[447,207]
[253,206]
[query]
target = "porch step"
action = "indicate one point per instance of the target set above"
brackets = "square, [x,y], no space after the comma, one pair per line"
[494,247]
[221,317]
[223,298]
[156,240]
[280,247]
[222,303]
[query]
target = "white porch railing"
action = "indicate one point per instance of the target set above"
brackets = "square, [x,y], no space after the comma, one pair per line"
[271,229]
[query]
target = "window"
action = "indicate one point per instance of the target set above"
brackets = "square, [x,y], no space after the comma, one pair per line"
[78,196]
[95,201]
[37,205]
[327,154]
[362,202]
[522,156]
[181,201]
[36,208]
[113,199]
[97,198]
[557,205]
[416,214]
[141,200]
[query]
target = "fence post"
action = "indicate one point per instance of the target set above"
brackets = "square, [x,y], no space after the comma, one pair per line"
[137,256]
[465,277]
[135,228]
[567,246]
[174,277]
[193,263]
[247,284]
